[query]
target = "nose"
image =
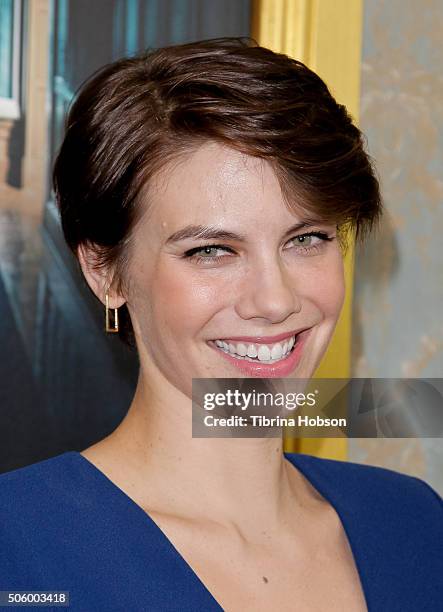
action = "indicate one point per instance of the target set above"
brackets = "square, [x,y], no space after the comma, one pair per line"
[268,292]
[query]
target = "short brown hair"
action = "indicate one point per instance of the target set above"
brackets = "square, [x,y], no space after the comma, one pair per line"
[134,115]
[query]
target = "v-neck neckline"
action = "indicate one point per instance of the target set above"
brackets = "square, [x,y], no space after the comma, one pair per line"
[298,460]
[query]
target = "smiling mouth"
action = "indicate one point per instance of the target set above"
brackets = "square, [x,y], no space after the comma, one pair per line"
[258,353]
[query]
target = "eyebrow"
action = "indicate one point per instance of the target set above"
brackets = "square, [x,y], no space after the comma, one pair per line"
[209,232]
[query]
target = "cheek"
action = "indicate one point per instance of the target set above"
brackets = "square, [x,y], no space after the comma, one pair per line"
[332,292]
[324,285]
[183,301]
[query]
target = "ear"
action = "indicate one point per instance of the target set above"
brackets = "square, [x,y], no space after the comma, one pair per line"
[97,279]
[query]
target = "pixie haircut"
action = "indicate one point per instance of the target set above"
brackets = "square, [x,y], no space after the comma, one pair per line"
[137,114]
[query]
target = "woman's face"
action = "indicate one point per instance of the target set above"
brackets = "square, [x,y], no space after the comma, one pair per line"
[267,281]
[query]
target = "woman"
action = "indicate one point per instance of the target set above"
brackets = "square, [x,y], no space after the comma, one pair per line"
[206,190]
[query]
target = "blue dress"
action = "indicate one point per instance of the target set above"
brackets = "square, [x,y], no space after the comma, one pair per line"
[65,526]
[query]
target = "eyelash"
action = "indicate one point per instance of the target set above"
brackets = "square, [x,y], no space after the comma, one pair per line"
[192,253]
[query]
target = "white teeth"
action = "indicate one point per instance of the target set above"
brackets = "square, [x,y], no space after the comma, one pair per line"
[265,353]
[252,351]
[241,349]
[277,351]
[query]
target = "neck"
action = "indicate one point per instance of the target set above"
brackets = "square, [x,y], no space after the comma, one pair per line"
[153,456]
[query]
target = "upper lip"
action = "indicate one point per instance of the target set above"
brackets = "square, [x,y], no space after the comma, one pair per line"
[265,339]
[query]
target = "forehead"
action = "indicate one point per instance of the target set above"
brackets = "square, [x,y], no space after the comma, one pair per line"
[216,185]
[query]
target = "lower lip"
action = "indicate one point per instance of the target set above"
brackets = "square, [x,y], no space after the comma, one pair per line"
[279,369]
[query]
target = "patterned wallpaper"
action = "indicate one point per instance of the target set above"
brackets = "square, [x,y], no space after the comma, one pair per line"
[398,305]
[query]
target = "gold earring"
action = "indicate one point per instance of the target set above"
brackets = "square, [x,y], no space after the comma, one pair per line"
[110,329]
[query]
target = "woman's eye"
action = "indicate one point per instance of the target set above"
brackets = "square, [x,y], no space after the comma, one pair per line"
[304,240]
[308,243]
[311,241]
[209,250]
[207,253]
